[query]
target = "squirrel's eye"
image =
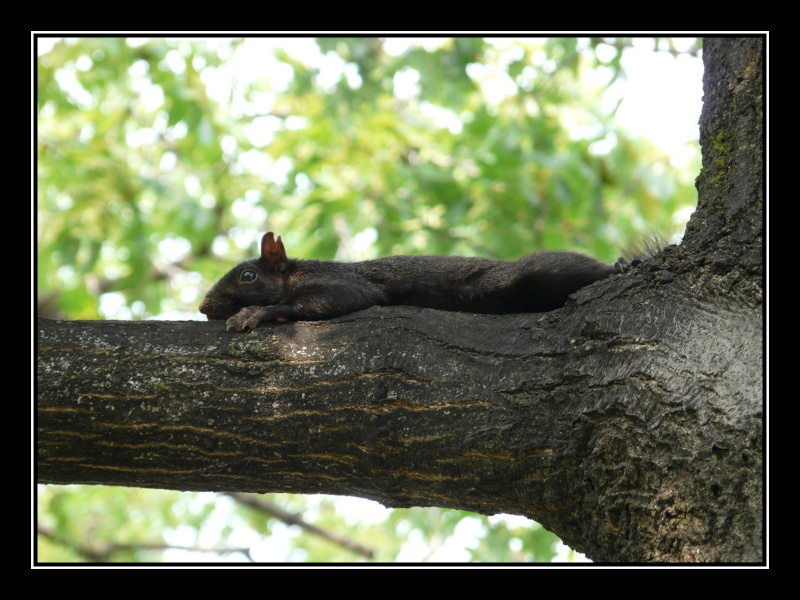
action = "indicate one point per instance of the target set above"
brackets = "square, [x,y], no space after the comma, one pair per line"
[247,276]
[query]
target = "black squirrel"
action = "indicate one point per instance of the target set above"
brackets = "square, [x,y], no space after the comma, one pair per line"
[274,287]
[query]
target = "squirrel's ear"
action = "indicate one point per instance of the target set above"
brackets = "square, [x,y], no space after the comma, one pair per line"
[272,251]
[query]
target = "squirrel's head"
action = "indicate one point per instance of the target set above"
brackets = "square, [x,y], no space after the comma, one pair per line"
[255,282]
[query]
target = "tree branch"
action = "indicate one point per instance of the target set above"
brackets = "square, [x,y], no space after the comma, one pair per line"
[545,417]
[276,511]
[100,552]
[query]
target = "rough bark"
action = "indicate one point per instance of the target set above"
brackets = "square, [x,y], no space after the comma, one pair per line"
[629,422]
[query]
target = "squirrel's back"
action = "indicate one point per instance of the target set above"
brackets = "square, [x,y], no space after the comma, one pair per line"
[536,282]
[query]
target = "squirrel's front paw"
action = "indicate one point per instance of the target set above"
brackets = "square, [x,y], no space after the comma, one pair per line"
[246,319]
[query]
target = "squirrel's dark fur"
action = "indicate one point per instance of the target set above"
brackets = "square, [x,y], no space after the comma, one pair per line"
[274,287]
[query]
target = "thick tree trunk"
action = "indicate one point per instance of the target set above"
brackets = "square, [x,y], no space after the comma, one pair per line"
[629,423]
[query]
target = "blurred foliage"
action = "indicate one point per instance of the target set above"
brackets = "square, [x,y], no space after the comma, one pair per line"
[161,161]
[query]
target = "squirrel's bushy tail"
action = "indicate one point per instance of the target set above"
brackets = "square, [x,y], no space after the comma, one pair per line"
[640,248]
